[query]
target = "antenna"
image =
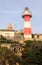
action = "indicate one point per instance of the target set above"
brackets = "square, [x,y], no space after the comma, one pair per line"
[28,3]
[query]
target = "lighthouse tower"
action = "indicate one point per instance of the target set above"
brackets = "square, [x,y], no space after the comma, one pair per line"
[27,24]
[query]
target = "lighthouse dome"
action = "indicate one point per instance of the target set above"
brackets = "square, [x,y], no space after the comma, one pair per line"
[26,12]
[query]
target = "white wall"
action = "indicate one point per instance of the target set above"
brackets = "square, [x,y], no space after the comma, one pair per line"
[8,33]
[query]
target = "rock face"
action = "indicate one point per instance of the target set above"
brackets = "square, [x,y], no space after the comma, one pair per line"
[18,37]
[6,62]
[17,63]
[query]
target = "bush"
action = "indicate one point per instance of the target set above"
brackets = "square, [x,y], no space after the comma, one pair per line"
[9,56]
[32,53]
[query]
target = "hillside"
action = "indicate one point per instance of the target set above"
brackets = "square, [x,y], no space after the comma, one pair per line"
[31,55]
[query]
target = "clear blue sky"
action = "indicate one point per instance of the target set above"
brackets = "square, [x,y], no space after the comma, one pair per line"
[11,12]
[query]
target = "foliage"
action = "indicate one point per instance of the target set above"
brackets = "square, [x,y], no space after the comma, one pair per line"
[2,39]
[32,53]
[32,35]
[9,56]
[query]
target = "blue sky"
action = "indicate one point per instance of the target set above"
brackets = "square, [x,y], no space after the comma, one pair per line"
[11,12]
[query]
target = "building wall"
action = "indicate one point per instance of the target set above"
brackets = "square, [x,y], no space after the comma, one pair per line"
[7,34]
[11,34]
[38,37]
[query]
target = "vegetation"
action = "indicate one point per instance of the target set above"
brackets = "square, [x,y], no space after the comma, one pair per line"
[2,39]
[9,56]
[31,55]
[7,41]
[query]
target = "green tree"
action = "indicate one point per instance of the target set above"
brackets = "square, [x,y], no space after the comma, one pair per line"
[32,53]
[9,56]
[2,39]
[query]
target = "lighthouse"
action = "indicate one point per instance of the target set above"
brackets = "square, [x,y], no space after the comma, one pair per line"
[27,24]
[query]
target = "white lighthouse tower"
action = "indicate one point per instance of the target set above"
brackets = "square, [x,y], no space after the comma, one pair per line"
[27,24]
